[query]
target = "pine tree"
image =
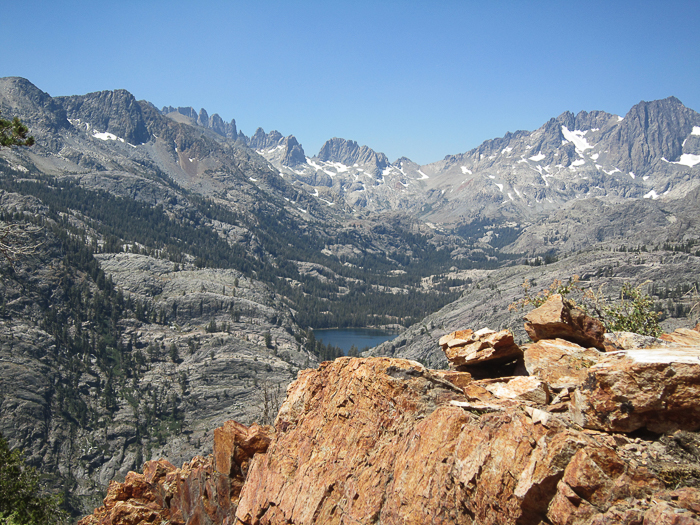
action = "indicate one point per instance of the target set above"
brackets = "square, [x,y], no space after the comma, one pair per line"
[20,502]
[14,133]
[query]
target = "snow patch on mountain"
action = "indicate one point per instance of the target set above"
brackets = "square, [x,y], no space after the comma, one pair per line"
[106,136]
[688,159]
[577,137]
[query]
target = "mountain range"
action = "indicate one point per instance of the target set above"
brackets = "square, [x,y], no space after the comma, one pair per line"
[178,266]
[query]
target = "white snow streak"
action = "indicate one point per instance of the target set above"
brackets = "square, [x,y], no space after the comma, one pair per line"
[536,158]
[696,130]
[465,170]
[500,186]
[652,195]
[577,137]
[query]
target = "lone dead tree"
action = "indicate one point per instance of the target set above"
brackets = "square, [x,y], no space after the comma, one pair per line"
[18,241]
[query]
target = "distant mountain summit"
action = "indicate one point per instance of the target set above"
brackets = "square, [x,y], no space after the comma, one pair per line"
[116,112]
[349,153]
[214,122]
[653,133]
[652,152]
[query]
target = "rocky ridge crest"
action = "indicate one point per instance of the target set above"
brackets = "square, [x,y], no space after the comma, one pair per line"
[387,440]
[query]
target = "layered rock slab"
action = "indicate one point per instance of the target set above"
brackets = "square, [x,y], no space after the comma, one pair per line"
[471,351]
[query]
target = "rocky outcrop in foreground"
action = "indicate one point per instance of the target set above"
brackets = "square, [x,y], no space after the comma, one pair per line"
[575,436]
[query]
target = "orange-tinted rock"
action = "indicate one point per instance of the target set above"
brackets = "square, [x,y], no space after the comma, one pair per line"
[234,447]
[459,379]
[555,319]
[386,441]
[559,363]
[482,347]
[457,338]
[596,480]
[683,336]
[615,341]
[195,494]
[655,388]
[524,388]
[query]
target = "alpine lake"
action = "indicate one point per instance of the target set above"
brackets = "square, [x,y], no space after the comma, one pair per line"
[345,338]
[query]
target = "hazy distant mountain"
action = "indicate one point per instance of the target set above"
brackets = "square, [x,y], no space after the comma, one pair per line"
[653,151]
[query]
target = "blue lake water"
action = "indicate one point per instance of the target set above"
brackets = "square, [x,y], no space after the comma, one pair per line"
[360,337]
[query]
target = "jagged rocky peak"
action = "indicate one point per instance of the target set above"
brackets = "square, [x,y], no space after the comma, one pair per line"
[262,140]
[548,138]
[213,122]
[651,132]
[585,120]
[292,152]
[348,152]
[405,162]
[115,112]
[18,96]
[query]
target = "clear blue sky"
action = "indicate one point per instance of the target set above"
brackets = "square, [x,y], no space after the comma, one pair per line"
[417,79]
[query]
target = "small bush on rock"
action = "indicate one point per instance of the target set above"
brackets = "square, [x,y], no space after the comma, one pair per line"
[632,312]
